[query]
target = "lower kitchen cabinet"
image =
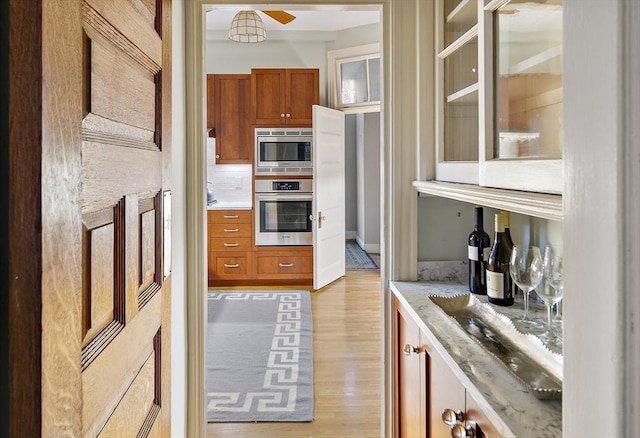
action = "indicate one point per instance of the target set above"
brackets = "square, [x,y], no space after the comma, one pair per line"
[233,259]
[285,264]
[230,266]
[430,399]
[411,371]
[230,244]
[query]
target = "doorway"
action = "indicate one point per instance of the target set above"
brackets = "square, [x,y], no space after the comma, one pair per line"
[196,225]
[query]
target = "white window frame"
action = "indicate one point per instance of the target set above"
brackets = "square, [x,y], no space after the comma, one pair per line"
[337,57]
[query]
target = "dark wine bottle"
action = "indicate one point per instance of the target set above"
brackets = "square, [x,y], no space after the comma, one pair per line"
[499,282]
[478,249]
[509,243]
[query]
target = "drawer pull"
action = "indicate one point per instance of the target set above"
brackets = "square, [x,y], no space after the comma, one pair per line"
[231,230]
[285,265]
[235,265]
[231,216]
[231,244]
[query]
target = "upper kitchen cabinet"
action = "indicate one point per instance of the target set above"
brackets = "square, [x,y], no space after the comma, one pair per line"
[284,96]
[229,117]
[499,96]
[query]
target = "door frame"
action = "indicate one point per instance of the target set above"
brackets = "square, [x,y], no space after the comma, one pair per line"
[400,127]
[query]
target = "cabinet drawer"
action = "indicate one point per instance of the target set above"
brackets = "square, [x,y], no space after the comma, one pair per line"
[235,266]
[287,266]
[230,230]
[230,244]
[230,216]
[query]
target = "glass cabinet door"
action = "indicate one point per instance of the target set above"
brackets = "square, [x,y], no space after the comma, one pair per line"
[528,80]
[457,77]
[523,142]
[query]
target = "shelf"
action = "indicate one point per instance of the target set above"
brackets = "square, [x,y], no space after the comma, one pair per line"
[457,44]
[465,95]
[540,205]
[465,12]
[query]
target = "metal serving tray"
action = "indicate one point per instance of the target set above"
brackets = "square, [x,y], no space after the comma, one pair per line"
[524,355]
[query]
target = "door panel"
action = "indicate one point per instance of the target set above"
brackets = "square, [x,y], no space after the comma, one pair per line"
[106,300]
[328,196]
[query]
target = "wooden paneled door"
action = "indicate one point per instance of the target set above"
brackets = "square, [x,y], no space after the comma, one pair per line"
[105,217]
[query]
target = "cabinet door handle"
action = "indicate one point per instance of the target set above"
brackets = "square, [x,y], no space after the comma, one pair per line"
[459,430]
[281,114]
[230,216]
[409,349]
[451,417]
[231,244]
[288,115]
[235,265]
[285,265]
[231,230]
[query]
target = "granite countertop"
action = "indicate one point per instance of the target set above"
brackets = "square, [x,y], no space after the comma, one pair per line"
[506,402]
[226,205]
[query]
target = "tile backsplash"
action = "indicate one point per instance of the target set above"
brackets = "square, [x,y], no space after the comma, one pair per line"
[230,182]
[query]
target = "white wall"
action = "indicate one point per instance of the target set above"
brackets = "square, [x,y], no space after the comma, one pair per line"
[444,226]
[225,56]
[351,181]
[178,228]
[368,170]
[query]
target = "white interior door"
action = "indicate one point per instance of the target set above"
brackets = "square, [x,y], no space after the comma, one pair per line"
[328,196]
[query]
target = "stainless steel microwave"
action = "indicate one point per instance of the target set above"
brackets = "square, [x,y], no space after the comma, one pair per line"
[283,151]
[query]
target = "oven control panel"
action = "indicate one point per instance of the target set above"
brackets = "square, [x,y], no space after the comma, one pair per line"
[274,186]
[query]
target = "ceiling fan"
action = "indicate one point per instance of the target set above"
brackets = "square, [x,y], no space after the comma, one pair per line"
[280,16]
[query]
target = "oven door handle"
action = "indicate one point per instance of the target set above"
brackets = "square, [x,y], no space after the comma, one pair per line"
[283,197]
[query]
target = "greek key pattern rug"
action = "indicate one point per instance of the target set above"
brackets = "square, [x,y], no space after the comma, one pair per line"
[356,258]
[259,356]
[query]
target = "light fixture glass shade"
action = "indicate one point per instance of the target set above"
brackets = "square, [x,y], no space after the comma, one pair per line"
[247,27]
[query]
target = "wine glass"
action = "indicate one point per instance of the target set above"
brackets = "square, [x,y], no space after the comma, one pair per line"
[551,288]
[522,268]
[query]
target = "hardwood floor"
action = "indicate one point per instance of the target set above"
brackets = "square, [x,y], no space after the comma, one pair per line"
[347,366]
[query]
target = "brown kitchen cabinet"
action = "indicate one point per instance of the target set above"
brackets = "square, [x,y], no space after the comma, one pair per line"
[411,376]
[230,244]
[233,259]
[426,387]
[284,96]
[229,117]
[284,263]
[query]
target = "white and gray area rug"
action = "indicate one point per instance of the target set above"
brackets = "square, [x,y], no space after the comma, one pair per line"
[356,258]
[259,361]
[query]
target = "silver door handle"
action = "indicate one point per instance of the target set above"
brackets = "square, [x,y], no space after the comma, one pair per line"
[285,265]
[235,265]
[230,216]
[231,230]
[281,114]
[231,244]
[288,115]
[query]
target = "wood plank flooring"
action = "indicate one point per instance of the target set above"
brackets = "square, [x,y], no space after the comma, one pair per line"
[347,366]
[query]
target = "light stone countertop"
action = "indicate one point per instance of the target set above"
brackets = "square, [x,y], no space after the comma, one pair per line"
[513,411]
[226,205]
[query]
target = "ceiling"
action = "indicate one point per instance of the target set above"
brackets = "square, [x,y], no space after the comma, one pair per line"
[333,18]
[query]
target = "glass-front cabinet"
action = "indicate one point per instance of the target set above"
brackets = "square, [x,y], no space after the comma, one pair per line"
[499,100]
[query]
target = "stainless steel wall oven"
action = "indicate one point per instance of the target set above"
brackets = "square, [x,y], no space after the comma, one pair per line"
[283,210]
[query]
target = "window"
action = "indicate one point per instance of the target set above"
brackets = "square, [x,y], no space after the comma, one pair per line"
[354,79]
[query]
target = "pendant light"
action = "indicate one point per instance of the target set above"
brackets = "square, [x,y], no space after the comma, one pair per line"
[247,27]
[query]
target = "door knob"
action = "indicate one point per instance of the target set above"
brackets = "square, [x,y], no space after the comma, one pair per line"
[409,349]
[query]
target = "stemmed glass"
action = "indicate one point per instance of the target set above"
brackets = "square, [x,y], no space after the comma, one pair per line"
[522,268]
[552,287]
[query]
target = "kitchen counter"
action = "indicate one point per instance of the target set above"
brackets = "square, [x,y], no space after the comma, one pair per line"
[226,205]
[506,402]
